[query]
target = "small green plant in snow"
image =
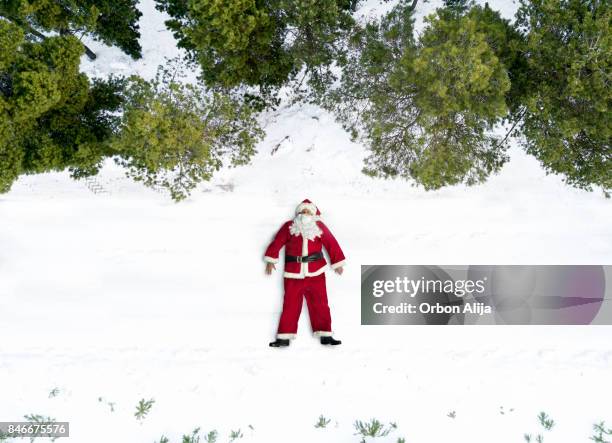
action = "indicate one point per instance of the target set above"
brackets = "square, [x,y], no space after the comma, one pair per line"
[372,429]
[599,432]
[322,422]
[143,408]
[235,435]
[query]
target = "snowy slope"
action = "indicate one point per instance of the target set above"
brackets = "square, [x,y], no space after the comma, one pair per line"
[124,295]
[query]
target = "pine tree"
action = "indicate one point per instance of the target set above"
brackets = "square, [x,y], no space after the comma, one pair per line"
[114,22]
[258,43]
[425,108]
[165,133]
[566,109]
[174,135]
[51,116]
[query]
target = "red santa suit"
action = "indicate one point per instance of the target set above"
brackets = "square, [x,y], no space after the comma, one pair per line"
[305,279]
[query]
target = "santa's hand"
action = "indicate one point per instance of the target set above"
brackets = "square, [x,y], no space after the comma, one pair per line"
[269,268]
[339,270]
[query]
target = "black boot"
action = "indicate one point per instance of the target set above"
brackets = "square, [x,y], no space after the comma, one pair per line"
[280,342]
[330,341]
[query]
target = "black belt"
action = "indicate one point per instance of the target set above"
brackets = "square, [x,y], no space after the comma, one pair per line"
[303,258]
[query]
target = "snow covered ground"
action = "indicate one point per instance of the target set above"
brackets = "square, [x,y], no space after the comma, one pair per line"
[122,295]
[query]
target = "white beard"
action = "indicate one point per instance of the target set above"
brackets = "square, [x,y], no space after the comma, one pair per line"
[305,226]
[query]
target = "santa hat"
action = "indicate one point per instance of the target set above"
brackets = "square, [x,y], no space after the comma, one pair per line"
[307,204]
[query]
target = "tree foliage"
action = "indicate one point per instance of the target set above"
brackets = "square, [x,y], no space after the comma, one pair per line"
[52,116]
[112,22]
[174,135]
[425,108]
[260,43]
[566,122]
[165,133]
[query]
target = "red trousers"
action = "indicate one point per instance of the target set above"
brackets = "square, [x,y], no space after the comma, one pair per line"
[313,288]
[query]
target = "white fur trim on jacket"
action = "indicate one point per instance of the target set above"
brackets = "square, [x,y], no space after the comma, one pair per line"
[323,333]
[286,336]
[304,268]
[270,259]
[307,274]
[338,264]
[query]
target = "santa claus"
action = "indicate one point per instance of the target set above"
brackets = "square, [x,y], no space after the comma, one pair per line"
[304,274]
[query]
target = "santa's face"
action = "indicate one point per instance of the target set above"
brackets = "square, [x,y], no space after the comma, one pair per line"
[305,224]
